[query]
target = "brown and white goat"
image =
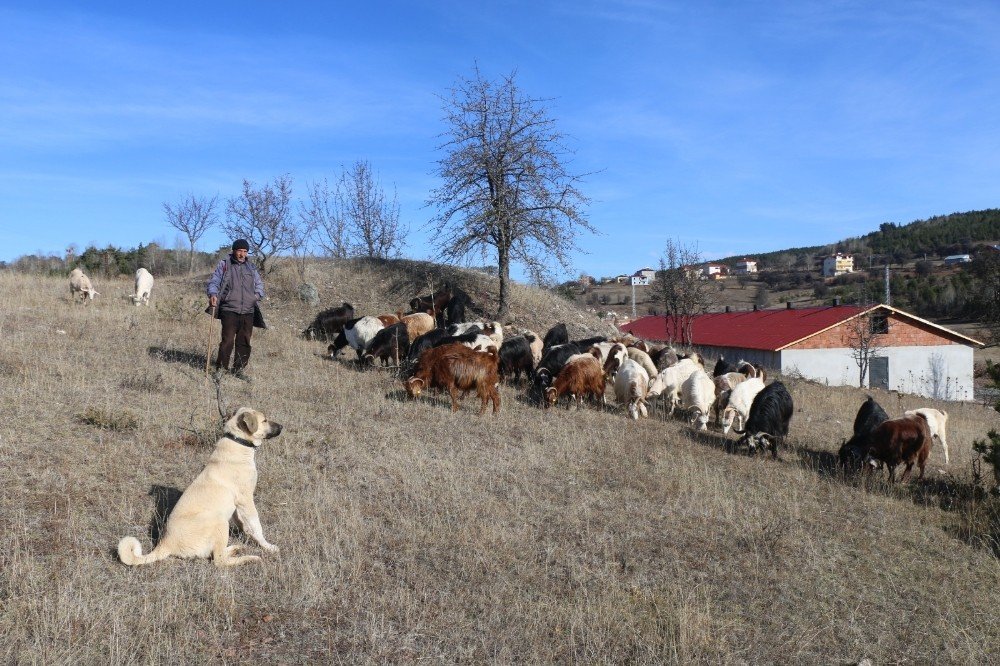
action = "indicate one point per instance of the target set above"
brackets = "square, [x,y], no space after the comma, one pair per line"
[582,376]
[416,323]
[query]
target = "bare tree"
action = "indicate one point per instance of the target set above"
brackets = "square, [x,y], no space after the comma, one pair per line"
[679,288]
[505,186]
[263,217]
[355,218]
[193,216]
[862,337]
[372,219]
[322,213]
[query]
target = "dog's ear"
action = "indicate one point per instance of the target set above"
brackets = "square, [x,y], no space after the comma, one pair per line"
[248,422]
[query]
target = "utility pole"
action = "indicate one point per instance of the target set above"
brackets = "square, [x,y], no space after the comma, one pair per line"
[888,296]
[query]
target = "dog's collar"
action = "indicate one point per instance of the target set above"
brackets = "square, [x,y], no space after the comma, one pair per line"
[239,440]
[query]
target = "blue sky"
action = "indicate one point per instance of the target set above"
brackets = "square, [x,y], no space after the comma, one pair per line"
[739,127]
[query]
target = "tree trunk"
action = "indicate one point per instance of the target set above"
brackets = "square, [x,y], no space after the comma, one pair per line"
[503,270]
[191,260]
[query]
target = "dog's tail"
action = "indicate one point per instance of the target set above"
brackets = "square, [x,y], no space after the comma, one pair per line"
[130,552]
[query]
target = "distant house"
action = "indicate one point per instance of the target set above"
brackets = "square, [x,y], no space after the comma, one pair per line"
[838,264]
[647,273]
[714,271]
[623,279]
[746,266]
[957,259]
[912,355]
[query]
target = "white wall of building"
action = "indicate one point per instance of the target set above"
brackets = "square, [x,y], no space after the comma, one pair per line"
[943,371]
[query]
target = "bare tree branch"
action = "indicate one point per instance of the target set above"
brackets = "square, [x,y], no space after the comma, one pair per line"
[505,187]
[679,287]
[862,334]
[192,217]
[322,213]
[263,217]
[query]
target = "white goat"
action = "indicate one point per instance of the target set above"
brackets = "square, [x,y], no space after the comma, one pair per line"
[937,420]
[697,396]
[669,382]
[362,333]
[143,287]
[631,382]
[740,401]
[642,358]
[80,284]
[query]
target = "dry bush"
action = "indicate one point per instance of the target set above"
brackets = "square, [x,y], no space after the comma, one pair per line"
[409,532]
[108,420]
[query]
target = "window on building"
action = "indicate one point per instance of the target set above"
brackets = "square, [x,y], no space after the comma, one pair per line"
[879,324]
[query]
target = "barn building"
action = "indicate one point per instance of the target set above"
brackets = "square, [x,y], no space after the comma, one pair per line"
[907,353]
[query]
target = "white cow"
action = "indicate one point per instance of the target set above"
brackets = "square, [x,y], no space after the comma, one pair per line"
[143,287]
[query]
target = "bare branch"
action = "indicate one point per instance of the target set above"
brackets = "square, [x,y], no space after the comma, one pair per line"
[263,217]
[505,186]
[192,217]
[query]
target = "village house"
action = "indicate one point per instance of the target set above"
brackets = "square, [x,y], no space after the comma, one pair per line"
[647,273]
[957,259]
[907,353]
[838,264]
[714,271]
[746,266]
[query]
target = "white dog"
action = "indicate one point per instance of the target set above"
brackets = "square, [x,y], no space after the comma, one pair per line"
[199,524]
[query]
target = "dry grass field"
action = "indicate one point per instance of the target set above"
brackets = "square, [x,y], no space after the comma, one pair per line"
[410,533]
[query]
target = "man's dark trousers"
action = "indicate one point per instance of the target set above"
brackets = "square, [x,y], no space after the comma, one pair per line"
[236,328]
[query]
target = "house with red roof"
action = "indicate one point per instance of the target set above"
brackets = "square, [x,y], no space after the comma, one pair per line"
[908,353]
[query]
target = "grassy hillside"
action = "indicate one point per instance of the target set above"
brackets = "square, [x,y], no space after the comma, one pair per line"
[408,532]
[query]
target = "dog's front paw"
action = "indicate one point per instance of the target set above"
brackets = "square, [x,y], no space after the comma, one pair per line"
[270,547]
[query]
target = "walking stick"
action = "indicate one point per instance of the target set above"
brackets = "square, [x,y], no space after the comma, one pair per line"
[208,348]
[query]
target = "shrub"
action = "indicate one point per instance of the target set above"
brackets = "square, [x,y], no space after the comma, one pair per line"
[99,418]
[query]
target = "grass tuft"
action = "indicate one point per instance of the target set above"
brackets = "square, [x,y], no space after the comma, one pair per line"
[107,420]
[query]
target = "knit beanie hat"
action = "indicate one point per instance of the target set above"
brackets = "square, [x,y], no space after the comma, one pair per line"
[241,245]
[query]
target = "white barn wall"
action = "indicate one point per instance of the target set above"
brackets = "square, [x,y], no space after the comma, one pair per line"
[940,371]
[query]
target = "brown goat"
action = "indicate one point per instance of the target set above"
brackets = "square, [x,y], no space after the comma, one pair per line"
[417,323]
[903,440]
[388,319]
[454,368]
[582,376]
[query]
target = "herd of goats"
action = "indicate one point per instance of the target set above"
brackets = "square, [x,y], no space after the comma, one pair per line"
[434,348]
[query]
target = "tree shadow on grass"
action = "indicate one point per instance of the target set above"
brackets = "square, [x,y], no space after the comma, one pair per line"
[191,359]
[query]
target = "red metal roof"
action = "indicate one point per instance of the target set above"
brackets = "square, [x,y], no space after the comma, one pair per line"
[762,329]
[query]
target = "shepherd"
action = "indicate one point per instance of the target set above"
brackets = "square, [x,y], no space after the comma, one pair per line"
[234,291]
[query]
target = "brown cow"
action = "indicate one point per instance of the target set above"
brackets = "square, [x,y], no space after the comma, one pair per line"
[454,368]
[903,440]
